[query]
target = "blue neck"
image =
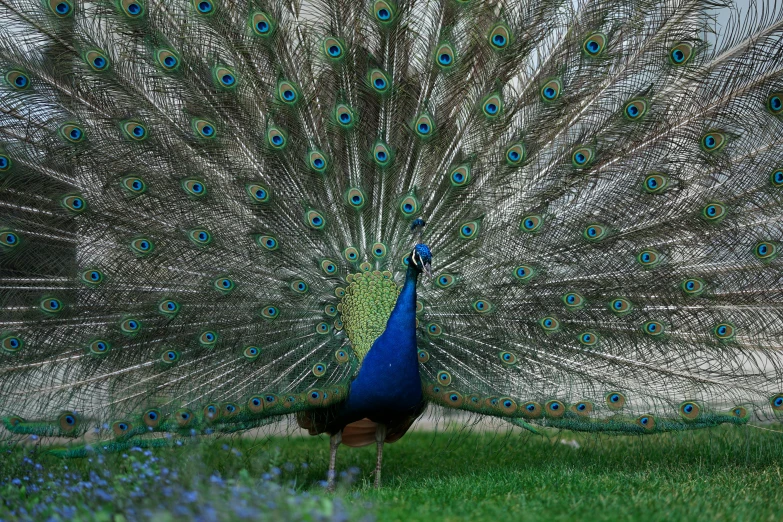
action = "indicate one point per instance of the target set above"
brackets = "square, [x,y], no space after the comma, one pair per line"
[388,383]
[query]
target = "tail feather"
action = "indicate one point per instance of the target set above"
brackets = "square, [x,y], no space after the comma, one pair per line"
[186,190]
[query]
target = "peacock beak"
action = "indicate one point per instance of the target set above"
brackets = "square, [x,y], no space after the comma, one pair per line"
[428,271]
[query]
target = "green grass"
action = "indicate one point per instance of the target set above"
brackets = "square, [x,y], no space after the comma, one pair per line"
[730,473]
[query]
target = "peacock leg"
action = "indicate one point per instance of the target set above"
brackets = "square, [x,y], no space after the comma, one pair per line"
[380,437]
[334,441]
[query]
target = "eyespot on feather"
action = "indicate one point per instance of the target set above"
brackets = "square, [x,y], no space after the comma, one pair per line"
[523,273]
[656,183]
[9,239]
[287,92]
[385,12]
[589,338]
[445,280]
[382,154]
[355,198]
[444,378]
[167,59]
[693,287]
[299,286]
[68,422]
[469,230]
[317,161]
[344,116]
[74,203]
[714,212]
[270,312]
[5,163]
[492,106]
[98,347]
[409,205]
[620,306]
[635,110]
[208,339]
[713,141]
[424,126]
[72,132]
[582,408]
[594,45]
[653,328]
[555,409]
[351,254]
[646,421]
[262,24]
[11,343]
[200,236]
[500,37]
[460,176]
[775,103]
[224,285]
[18,80]
[169,308]
[648,258]
[573,301]
[689,410]
[328,267]
[121,428]
[550,324]
[551,90]
[680,54]
[204,7]
[276,138]
[765,250]
[582,157]
[131,8]
[378,81]
[251,353]
[724,331]
[203,128]
[256,404]
[97,60]
[50,305]
[258,193]
[268,242]
[445,56]
[134,185]
[775,177]
[482,306]
[531,410]
[130,326]
[334,49]
[60,8]
[515,154]
[594,232]
[531,224]
[615,400]
[314,220]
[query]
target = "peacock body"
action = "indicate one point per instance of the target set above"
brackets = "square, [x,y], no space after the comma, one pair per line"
[213,215]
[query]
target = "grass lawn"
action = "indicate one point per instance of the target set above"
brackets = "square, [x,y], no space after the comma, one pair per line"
[728,473]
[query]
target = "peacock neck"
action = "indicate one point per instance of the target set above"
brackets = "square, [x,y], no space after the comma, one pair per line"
[388,382]
[402,320]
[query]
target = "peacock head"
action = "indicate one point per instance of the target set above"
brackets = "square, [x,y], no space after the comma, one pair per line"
[421,259]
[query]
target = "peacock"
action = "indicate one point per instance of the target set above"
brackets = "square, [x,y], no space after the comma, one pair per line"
[560,213]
